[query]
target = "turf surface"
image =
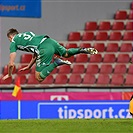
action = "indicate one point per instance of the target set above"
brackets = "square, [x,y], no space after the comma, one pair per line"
[67,126]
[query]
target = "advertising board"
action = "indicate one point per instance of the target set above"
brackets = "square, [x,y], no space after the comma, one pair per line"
[20,8]
[65,109]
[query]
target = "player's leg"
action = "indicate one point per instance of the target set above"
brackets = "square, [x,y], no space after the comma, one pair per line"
[62,51]
[43,63]
[42,73]
[74,51]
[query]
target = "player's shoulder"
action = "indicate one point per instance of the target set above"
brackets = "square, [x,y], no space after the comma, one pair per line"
[29,32]
[26,32]
[23,34]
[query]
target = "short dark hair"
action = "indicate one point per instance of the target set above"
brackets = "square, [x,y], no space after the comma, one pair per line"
[12,31]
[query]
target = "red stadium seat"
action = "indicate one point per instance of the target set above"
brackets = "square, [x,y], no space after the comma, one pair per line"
[85,45]
[95,58]
[5,70]
[103,79]
[130,15]
[101,36]
[104,25]
[71,59]
[120,68]
[33,69]
[26,58]
[109,58]
[7,81]
[81,58]
[65,69]
[129,80]
[62,44]
[131,59]
[126,47]
[48,80]
[112,47]
[61,79]
[129,25]
[71,45]
[74,36]
[123,58]
[130,69]
[92,69]
[32,79]
[118,25]
[106,69]
[121,15]
[89,79]
[88,36]
[128,36]
[54,71]
[90,26]
[99,46]
[115,36]
[75,79]
[23,79]
[117,80]
[78,69]
[131,5]
[23,72]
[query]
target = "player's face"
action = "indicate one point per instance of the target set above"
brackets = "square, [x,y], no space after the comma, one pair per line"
[10,38]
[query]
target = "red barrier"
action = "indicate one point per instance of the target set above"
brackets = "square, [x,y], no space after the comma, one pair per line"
[126,95]
[64,96]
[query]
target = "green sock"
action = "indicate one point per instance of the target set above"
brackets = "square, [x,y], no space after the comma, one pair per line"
[47,70]
[73,51]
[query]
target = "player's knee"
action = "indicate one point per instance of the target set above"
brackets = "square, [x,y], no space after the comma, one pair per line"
[66,55]
[39,80]
[38,77]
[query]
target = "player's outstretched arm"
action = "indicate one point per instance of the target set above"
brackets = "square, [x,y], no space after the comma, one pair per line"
[10,66]
[33,60]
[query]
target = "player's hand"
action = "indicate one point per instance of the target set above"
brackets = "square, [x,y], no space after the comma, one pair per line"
[6,77]
[24,68]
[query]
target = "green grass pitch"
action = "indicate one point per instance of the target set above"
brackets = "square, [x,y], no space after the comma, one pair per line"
[67,126]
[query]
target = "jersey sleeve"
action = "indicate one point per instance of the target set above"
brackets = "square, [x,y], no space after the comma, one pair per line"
[13,47]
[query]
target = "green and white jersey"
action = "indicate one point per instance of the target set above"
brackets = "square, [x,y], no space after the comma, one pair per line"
[26,41]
